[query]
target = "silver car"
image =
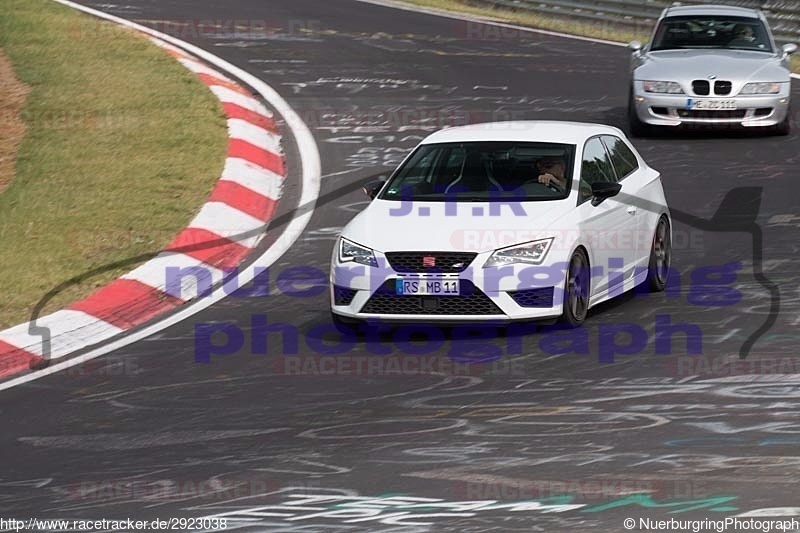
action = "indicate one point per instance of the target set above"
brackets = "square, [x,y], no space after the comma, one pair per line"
[710,65]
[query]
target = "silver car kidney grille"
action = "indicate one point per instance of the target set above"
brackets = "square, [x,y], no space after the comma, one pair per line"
[722,87]
[703,87]
[700,87]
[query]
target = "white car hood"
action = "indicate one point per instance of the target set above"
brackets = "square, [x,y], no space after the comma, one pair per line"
[735,65]
[381,228]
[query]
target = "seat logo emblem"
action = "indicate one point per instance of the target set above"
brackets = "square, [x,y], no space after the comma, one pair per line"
[428,261]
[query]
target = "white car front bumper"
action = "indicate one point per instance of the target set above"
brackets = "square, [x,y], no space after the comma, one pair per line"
[503,294]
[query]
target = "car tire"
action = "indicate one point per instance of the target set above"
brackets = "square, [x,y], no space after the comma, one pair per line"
[660,256]
[576,290]
[636,126]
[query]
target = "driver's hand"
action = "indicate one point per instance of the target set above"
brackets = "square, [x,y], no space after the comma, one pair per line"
[549,179]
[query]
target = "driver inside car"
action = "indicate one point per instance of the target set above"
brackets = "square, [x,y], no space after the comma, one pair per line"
[743,37]
[552,171]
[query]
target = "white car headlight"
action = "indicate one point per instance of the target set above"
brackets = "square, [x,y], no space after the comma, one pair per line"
[530,253]
[350,251]
[667,87]
[761,88]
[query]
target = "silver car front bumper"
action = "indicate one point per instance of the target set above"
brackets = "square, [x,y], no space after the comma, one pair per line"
[673,109]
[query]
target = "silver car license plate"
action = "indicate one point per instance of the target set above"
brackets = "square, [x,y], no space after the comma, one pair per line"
[713,104]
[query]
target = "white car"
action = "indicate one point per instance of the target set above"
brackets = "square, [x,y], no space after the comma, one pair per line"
[467,229]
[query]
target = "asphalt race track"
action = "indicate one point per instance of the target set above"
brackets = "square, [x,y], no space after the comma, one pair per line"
[563,441]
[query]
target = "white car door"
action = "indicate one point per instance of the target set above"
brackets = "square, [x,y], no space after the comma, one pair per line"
[632,179]
[607,226]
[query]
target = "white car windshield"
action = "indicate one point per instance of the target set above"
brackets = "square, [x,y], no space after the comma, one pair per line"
[733,33]
[484,172]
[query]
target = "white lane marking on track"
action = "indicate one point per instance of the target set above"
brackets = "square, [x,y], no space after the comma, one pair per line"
[311,172]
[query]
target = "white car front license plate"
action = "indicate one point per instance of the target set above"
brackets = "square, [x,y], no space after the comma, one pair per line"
[427,287]
[702,103]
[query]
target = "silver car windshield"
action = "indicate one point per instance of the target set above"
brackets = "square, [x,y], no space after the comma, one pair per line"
[732,33]
[484,172]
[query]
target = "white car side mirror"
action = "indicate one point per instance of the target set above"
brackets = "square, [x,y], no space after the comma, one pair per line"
[635,46]
[789,48]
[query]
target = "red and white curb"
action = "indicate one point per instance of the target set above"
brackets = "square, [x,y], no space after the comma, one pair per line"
[224,232]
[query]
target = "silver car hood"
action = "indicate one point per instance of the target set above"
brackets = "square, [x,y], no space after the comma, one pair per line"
[687,65]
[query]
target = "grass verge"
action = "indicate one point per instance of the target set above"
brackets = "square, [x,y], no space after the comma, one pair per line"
[123,145]
[598,30]
[12,97]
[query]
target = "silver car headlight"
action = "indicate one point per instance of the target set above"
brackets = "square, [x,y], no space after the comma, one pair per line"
[761,88]
[529,253]
[352,252]
[665,87]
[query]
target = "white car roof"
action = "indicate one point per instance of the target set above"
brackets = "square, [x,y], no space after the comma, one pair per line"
[708,9]
[523,130]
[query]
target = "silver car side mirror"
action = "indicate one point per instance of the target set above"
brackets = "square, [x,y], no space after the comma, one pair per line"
[635,46]
[789,48]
